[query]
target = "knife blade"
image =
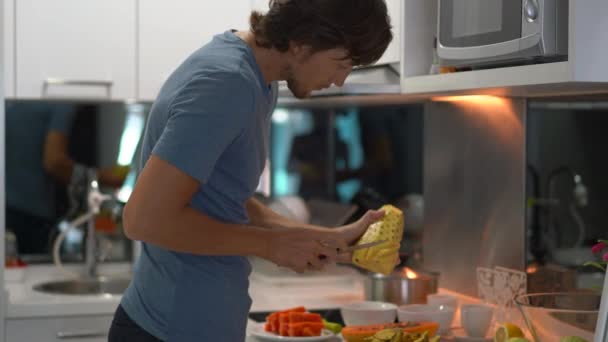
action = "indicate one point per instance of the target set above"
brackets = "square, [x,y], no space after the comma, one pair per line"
[363,246]
[354,247]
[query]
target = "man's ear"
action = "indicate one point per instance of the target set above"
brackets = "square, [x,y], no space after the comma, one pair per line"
[299,51]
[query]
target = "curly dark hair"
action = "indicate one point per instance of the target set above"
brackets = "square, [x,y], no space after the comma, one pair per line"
[361,27]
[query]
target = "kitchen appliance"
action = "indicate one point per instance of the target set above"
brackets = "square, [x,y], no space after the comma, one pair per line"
[495,32]
[403,286]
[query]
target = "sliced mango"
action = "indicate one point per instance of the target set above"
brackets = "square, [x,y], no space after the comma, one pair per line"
[381,258]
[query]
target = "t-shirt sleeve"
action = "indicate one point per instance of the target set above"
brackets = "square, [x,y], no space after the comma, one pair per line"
[205,117]
[62,118]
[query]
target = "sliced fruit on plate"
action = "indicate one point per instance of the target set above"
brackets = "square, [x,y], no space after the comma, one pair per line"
[507,331]
[294,322]
[360,333]
[297,317]
[284,324]
[272,321]
[336,328]
[418,337]
[387,335]
[305,329]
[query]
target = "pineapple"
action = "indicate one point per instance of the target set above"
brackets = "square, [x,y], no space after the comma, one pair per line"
[381,258]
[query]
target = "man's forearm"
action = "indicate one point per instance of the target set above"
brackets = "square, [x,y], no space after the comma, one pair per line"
[262,216]
[190,231]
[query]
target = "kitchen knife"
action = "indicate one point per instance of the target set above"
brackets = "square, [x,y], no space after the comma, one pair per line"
[362,246]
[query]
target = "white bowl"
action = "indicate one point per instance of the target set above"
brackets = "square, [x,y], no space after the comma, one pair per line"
[441,314]
[366,313]
[442,299]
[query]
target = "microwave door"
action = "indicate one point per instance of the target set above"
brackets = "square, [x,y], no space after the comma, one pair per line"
[465,25]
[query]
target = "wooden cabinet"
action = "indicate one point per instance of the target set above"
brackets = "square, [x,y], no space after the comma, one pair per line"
[76,49]
[169,31]
[56,329]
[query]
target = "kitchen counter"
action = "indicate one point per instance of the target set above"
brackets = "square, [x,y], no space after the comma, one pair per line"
[25,302]
[269,289]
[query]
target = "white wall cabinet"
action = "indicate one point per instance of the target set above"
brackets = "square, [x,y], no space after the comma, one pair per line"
[8,49]
[260,5]
[89,44]
[582,73]
[57,329]
[393,52]
[169,31]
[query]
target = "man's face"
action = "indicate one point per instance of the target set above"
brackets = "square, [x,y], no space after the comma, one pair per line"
[308,72]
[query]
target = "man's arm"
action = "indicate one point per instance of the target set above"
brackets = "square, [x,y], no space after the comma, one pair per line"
[55,157]
[60,166]
[158,213]
[262,216]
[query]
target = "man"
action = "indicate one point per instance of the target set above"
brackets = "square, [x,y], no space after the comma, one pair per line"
[37,160]
[204,150]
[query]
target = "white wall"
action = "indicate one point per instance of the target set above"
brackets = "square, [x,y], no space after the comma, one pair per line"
[3,293]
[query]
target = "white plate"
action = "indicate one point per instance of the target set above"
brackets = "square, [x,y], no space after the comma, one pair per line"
[257,330]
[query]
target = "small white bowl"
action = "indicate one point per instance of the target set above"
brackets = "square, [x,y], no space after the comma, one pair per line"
[366,313]
[442,314]
[442,299]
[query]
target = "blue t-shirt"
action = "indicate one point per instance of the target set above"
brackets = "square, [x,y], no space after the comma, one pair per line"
[29,188]
[211,120]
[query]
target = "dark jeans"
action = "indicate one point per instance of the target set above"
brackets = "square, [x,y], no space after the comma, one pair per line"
[123,329]
[33,233]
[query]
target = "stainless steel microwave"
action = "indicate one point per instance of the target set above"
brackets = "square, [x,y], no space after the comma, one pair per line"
[494,32]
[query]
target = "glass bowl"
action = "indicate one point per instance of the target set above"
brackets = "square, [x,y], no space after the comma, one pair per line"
[552,316]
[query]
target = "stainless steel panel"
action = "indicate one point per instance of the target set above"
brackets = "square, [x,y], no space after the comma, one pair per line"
[399,288]
[474,169]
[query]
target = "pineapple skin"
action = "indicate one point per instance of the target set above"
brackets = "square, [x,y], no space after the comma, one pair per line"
[381,258]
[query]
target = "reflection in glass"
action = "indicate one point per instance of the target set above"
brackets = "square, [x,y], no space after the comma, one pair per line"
[49,148]
[339,159]
[565,185]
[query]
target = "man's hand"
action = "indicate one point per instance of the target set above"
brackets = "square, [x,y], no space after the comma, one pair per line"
[300,249]
[312,248]
[349,234]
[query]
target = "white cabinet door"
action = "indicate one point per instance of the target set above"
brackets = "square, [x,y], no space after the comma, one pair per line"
[169,31]
[58,329]
[393,52]
[260,5]
[88,43]
[8,28]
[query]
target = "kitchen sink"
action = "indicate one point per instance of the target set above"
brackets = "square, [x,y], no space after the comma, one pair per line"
[96,286]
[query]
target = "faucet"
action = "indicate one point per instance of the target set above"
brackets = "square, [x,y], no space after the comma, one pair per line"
[95,199]
[579,200]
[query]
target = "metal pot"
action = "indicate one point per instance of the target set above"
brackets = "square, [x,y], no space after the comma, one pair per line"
[403,286]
